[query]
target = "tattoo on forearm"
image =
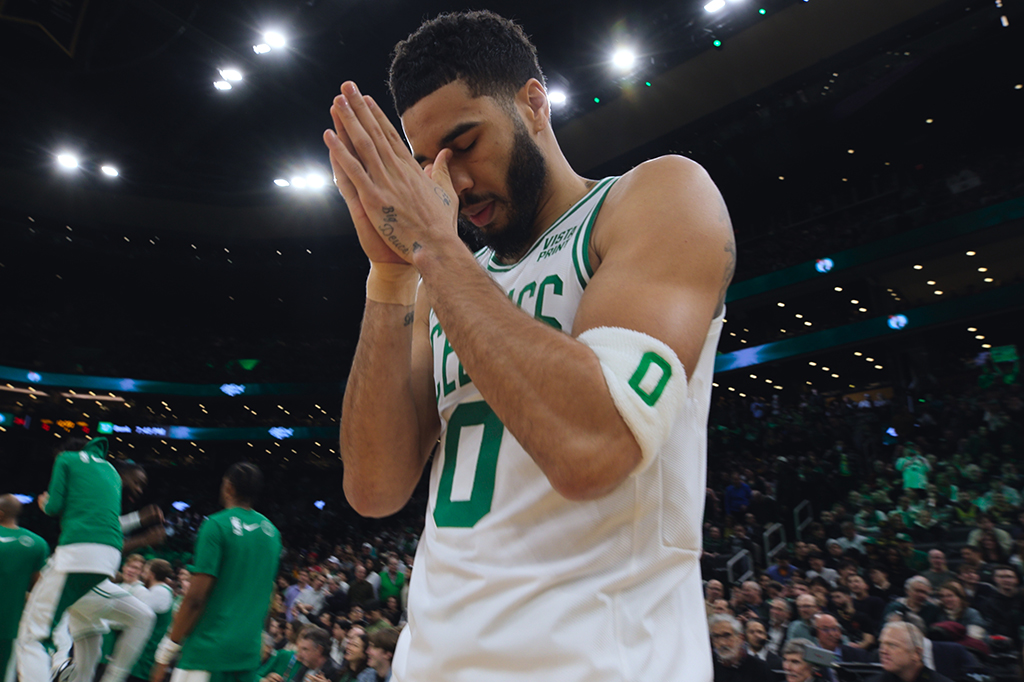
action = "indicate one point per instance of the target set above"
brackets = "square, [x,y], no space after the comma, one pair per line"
[443,196]
[409,317]
[387,229]
[730,270]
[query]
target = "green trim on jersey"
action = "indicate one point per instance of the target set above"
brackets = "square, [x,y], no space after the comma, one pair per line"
[22,555]
[494,266]
[147,658]
[581,248]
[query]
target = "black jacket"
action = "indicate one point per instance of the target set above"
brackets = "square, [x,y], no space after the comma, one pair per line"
[926,675]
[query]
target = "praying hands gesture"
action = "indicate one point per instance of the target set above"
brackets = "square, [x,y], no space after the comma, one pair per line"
[397,207]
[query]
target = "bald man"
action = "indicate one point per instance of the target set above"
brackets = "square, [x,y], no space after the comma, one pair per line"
[829,635]
[22,555]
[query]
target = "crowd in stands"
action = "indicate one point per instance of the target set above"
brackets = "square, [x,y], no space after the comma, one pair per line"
[926,529]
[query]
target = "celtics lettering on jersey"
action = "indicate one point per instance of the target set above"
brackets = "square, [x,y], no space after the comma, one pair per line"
[547,283]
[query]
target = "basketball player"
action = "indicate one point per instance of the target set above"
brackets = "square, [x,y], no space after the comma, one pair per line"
[217,628]
[159,596]
[22,555]
[85,492]
[563,371]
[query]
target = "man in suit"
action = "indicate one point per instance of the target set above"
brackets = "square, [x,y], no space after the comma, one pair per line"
[313,651]
[732,663]
[757,639]
[829,636]
[901,651]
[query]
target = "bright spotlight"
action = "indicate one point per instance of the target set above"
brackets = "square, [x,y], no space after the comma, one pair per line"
[715,6]
[109,171]
[231,74]
[315,181]
[262,48]
[222,85]
[623,59]
[274,39]
[557,97]
[281,182]
[67,160]
[298,181]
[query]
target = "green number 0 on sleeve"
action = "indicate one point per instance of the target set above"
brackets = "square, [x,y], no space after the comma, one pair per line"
[465,513]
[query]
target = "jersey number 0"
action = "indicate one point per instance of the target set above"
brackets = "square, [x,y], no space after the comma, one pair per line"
[450,513]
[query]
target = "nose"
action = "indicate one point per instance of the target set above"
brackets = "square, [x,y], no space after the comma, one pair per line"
[462,181]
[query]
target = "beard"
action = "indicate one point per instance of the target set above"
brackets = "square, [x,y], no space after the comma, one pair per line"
[524,182]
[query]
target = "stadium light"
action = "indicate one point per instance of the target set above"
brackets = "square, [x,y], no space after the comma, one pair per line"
[275,39]
[262,48]
[233,75]
[623,59]
[281,182]
[557,97]
[67,160]
[299,181]
[222,85]
[715,6]
[315,181]
[109,171]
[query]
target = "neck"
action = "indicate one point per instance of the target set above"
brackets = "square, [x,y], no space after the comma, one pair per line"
[12,525]
[910,674]
[563,189]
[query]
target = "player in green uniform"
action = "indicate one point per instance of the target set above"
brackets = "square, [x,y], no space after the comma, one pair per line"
[156,576]
[85,492]
[218,627]
[22,555]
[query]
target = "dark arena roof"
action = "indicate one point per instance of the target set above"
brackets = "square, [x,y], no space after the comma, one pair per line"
[193,287]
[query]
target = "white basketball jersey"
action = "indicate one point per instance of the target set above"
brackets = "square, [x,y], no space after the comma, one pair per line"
[512,582]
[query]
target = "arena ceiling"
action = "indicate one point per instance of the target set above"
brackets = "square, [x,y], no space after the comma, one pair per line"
[130,83]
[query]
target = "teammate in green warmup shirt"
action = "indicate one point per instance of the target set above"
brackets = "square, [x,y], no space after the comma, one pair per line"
[85,492]
[22,555]
[218,627]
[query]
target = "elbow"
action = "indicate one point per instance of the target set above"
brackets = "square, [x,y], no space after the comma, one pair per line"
[371,503]
[594,472]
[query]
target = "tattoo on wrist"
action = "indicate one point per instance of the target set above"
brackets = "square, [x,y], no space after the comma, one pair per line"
[443,196]
[409,317]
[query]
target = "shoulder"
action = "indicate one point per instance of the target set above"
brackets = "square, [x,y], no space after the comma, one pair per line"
[669,189]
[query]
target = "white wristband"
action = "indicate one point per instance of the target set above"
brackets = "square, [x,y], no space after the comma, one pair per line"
[130,522]
[167,651]
[646,380]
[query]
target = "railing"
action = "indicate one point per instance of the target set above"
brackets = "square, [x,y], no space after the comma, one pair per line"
[797,523]
[748,573]
[771,550]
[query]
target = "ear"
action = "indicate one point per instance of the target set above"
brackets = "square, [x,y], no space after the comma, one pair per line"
[533,101]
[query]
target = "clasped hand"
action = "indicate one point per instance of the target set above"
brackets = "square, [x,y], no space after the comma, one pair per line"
[396,206]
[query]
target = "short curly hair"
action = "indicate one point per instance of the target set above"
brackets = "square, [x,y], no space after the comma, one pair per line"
[490,53]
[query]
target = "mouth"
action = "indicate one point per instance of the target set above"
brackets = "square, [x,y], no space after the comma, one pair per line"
[481,215]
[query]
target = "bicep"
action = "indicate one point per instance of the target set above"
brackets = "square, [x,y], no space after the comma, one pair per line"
[666,255]
[199,588]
